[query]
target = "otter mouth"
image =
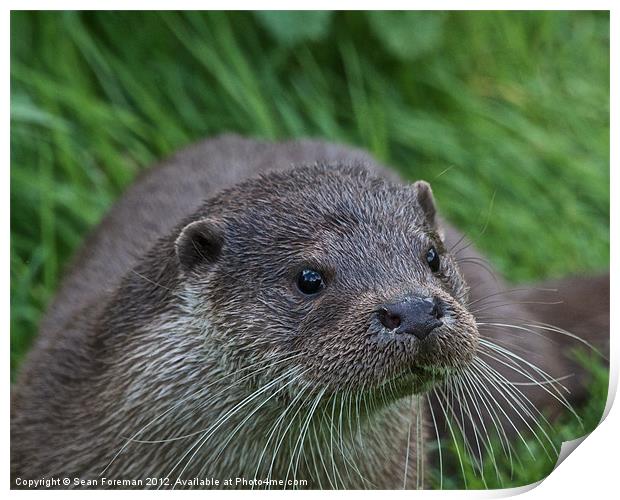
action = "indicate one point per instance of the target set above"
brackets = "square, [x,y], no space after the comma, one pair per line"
[419,365]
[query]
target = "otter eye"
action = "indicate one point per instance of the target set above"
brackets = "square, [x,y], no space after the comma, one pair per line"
[310,281]
[432,258]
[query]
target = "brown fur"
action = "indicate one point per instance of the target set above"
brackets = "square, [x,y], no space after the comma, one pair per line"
[147,324]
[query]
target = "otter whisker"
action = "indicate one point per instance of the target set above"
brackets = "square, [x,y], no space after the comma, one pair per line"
[211,430]
[343,452]
[487,444]
[464,405]
[420,444]
[505,292]
[544,382]
[318,449]
[495,305]
[358,416]
[314,447]
[150,280]
[185,399]
[349,456]
[504,382]
[340,417]
[513,365]
[276,427]
[516,362]
[299,443]
[498,405]
[340,440]
[507,448]
[314,422]
[516,346]
[302,435]
[549,328]
[331,438]
[511,339]
[461,424]
[430,406]
[408,445]
[520,404]
[452,433]
[555,329]
[350,416]
[326,443]
[268,365]
[329,466]
[478,262]
[308,391]
[253,412]
[557,395]
[453,249]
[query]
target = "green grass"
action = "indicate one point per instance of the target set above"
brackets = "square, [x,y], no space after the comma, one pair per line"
[506,114]
[533,458]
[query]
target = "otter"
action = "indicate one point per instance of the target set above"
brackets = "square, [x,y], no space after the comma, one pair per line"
[271,315]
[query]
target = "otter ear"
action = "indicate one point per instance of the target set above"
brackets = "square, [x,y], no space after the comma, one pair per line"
[200,242]
[424,195]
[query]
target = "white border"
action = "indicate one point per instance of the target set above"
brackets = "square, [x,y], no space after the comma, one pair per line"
[589,473]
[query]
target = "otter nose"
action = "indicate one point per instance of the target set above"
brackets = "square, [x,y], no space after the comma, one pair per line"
[417,316]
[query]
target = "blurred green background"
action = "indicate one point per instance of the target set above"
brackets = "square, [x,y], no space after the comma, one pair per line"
[506,114]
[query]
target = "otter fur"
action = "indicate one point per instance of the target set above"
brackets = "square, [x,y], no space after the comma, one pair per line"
[178,346]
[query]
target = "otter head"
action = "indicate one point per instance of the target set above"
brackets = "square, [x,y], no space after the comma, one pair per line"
[335,279]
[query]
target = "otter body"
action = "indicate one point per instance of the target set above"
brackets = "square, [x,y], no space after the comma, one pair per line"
[269,332]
